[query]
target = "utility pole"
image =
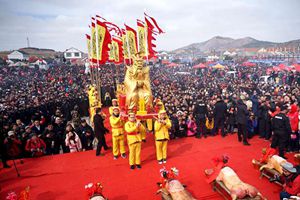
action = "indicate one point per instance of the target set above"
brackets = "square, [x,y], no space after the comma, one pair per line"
[28,44]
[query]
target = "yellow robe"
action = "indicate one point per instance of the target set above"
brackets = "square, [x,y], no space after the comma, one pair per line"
[162,136]
[134,142]
[117,127]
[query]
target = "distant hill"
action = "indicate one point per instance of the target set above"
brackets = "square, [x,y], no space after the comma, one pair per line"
[32,51]
[219,43]
[44,53]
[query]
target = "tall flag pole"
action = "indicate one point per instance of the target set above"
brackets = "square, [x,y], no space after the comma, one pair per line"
[95,58]
[89,48]
[93,42]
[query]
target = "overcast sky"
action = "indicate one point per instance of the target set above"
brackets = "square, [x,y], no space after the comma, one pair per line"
[60,24]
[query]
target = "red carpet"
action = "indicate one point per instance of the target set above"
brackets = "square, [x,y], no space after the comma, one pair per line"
[63,177]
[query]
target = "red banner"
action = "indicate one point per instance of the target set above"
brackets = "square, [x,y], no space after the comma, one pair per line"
[103,39]
[150,38]
[132,40]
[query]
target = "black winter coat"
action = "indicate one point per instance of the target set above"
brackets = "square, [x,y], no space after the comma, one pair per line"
[242,113]
[99,128]
[220,110]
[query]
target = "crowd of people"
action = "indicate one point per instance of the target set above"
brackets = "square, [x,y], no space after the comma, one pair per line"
[200,103]
[37,105]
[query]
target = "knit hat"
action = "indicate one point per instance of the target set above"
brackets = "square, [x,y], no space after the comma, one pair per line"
[289,167]
[10,133]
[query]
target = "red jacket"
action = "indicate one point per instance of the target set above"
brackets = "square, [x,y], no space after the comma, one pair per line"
[35,144]
[293,188]
[294,117]
[13,147]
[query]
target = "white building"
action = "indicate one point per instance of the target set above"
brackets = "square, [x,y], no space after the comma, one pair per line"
[73,53]
[262,50]
[164,56]
[212,58]
[18,55]
[228,53]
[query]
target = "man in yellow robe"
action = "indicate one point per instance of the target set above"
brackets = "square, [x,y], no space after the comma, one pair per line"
[161,128]
[117,127]
[133,130]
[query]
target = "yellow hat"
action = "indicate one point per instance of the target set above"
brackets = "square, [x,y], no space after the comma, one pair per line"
[116,108]
[161,112]
[131,114]
[159,103]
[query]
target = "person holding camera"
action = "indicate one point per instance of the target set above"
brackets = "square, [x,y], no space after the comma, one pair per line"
[161,128]
[12,144]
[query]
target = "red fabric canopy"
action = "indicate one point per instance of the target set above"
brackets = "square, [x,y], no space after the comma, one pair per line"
[165,62]
[249,64]
[277,69]
[172,65]
[296,67]
[199,66]
[282,66]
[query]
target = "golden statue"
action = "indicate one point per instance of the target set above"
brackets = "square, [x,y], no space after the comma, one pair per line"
[137,84]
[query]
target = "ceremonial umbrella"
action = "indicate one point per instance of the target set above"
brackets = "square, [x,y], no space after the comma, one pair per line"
[218,66]
[296,67]
[199,66]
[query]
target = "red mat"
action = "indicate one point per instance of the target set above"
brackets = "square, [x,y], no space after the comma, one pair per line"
[63,177]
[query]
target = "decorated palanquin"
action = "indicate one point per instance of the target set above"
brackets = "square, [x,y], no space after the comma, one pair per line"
[170,186]
[94,191]
[226,182]
[135,95]
[270,165]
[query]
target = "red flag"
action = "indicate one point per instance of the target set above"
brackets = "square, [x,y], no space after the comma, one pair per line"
[118,50]
[89,46]
[103,40]
[114,27]
[142,38]
[150,33]
[132,40]
[155,23]
[98,16]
